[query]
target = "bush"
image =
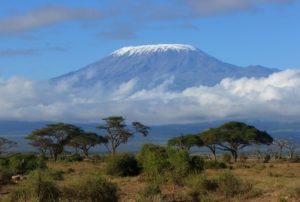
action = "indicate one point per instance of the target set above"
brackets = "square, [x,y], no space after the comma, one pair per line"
[201,184]
[122,165]
[197,163]
[90,189]
[232,186]
[154,159]
[73,158]
[150,193]
[22,163]
[214,165]
[39,187]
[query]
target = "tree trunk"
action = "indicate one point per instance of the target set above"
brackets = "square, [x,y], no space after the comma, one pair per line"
[86,153]
[234,155]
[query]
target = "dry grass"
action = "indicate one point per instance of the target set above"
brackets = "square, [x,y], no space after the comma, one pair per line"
[274,180]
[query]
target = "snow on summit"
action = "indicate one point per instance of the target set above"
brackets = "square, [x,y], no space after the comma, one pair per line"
[146,49]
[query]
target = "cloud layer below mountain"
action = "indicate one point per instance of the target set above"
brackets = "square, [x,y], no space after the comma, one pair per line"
[276,97]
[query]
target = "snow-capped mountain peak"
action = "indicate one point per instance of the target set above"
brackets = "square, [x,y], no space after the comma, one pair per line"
[150,66]
[147,49]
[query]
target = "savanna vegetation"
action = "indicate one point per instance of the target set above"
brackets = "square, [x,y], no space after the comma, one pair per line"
[64,170]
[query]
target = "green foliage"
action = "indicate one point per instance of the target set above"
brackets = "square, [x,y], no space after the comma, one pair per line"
[72,158]
[85,141]
[234,136]
[151,192]
[38,187]
[90,189]
[202,184]
[214,165]
[186,142]
[172,163]
[22,163]
[196,163]
[118,133]
[229,184]
[122,165]
[53,138]
[154,159]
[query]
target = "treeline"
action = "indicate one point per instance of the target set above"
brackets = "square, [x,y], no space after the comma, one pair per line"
[230,137]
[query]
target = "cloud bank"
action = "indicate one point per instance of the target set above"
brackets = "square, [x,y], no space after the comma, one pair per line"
[128,13]
[275,98]
[45,16]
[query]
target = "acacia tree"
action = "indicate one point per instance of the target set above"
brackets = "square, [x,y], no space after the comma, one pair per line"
[210,140]
[186,142]
[85,141]
[234,136]
[5,145]
[117,132]
[53,137]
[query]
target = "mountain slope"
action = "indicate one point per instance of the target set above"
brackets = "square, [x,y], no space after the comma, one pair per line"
[145,67]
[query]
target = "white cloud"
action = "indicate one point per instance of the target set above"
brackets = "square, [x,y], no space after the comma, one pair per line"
[45,16]
[274,98]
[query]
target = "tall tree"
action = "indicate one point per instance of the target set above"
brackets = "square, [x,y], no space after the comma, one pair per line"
[53,137]
[85,141]
[234,136]
[186,142]
[117,132]
[5,145]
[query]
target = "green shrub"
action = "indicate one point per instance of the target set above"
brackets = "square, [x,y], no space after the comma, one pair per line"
[56,174]
[122,165]
[214,165]
[229,184]
[38,186]
[90,189]
[197,163]
[154,159]
[22,163]
[73,158]
[232,186]
[226,157]
[201,184]
[150,193]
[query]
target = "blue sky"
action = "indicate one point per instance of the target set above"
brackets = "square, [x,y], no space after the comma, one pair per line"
[44,39]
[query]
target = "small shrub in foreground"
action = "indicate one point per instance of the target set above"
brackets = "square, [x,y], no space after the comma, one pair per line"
[122,165]
[23,163]
[38,187]
[150,193]
[90,189]
[201,184]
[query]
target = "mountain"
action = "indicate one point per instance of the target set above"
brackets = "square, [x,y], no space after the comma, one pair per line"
[175,66]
